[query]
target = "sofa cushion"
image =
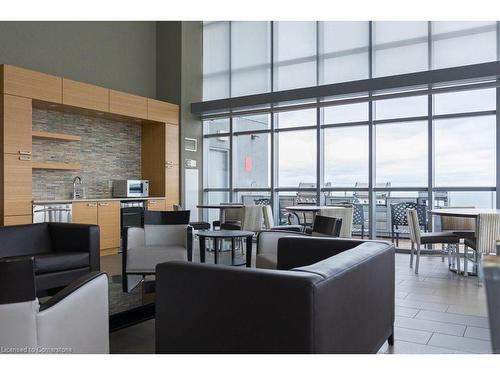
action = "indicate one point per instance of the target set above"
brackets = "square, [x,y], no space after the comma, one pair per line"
[165,235]
[145,258]
[337,264]
[52,262]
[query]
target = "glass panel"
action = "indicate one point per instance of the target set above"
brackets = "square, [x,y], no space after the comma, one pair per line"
[345,113]
[476,199]
[465,151]
[294,54]
[343,49]
[253,122]
[250,57]
[465,101]
[217,165]
[214,197]
[252,160]
[463,43]
[399,47]
[297,158]
[401,107]
[346,156]
[292,119]
[391,216]
[215,60]
[401,153]
[216,126]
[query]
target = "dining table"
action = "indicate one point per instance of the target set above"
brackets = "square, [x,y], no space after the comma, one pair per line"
[306,208]
[471,213]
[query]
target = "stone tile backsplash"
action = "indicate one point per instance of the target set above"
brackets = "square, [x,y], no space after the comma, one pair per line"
[109,150]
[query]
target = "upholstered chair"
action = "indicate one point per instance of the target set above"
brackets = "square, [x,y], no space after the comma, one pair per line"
[418,238]
[74,320]
[270,225]
[343,213]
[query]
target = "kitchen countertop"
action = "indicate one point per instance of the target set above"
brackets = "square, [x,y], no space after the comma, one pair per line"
[63,201]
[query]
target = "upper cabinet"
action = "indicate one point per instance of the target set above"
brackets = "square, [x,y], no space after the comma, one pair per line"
[163,112]
[30,84]
[128,105]
[83,95]
[16,121]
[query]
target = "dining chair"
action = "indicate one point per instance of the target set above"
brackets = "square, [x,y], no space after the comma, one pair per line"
[345,213]
[326,226]
[418,238]
[270,225]
[484,242]
[463,227]
[399,218]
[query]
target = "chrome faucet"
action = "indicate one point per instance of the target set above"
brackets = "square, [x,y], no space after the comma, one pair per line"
[77,181]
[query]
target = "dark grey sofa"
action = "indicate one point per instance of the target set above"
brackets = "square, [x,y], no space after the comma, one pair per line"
[328,296]
[61,252]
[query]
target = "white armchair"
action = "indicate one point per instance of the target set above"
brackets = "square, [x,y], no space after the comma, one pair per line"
[75,320]
[144,248]
[267,247]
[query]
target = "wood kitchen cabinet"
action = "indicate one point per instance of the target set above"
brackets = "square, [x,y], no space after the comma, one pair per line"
[16,119]
[156,205]
[17,185]
[108,218]
[31,84]
[163,112]
[106,214]
[127,104]
[83,95]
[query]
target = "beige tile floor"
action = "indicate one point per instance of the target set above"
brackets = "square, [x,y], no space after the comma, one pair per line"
[436,312]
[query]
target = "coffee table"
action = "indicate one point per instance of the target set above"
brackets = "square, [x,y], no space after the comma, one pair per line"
[226,234]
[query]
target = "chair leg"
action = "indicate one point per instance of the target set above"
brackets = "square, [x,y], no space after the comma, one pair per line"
[442,252]
[411,253]
[479,269]
[397,240]
[418,259]
[466,266]
[457,256]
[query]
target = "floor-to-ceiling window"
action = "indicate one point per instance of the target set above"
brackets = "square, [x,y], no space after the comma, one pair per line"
[437,148]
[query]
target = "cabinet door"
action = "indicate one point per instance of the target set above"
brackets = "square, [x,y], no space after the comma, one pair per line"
[31,84]
[17,220]
[83,95]
[172,145]
[108,218]
[163,112]
[17,125]
[156,205]
[17,185]
[172,186]
[84,213]
[125,104]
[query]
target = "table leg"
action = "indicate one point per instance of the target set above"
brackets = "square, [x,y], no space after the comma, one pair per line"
[232,251]
[249,251]
[201,240]
[216,250]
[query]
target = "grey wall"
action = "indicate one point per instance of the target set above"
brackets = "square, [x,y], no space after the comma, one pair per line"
[118,55]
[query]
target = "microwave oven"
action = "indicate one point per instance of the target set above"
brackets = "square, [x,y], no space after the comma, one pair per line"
[130,188]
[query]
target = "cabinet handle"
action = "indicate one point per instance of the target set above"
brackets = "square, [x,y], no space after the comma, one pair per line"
[92,204]
[24,152]
[170,166]
[24,158]
[103,204]
[170,162]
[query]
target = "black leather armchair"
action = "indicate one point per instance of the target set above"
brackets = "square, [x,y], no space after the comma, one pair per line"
[328,296]
[62,252]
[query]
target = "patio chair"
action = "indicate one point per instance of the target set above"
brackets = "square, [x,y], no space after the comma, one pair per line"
[399,218]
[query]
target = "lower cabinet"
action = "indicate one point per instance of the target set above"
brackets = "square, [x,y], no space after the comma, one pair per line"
[106,214]
[17,220]
[156,205]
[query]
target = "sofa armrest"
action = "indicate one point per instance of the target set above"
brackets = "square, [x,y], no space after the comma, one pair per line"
[298,252]
[17,280]
[232,309]
[77,318]
[67,237]
[189,243]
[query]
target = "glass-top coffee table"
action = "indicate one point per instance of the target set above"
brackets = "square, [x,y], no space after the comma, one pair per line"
[217,235]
